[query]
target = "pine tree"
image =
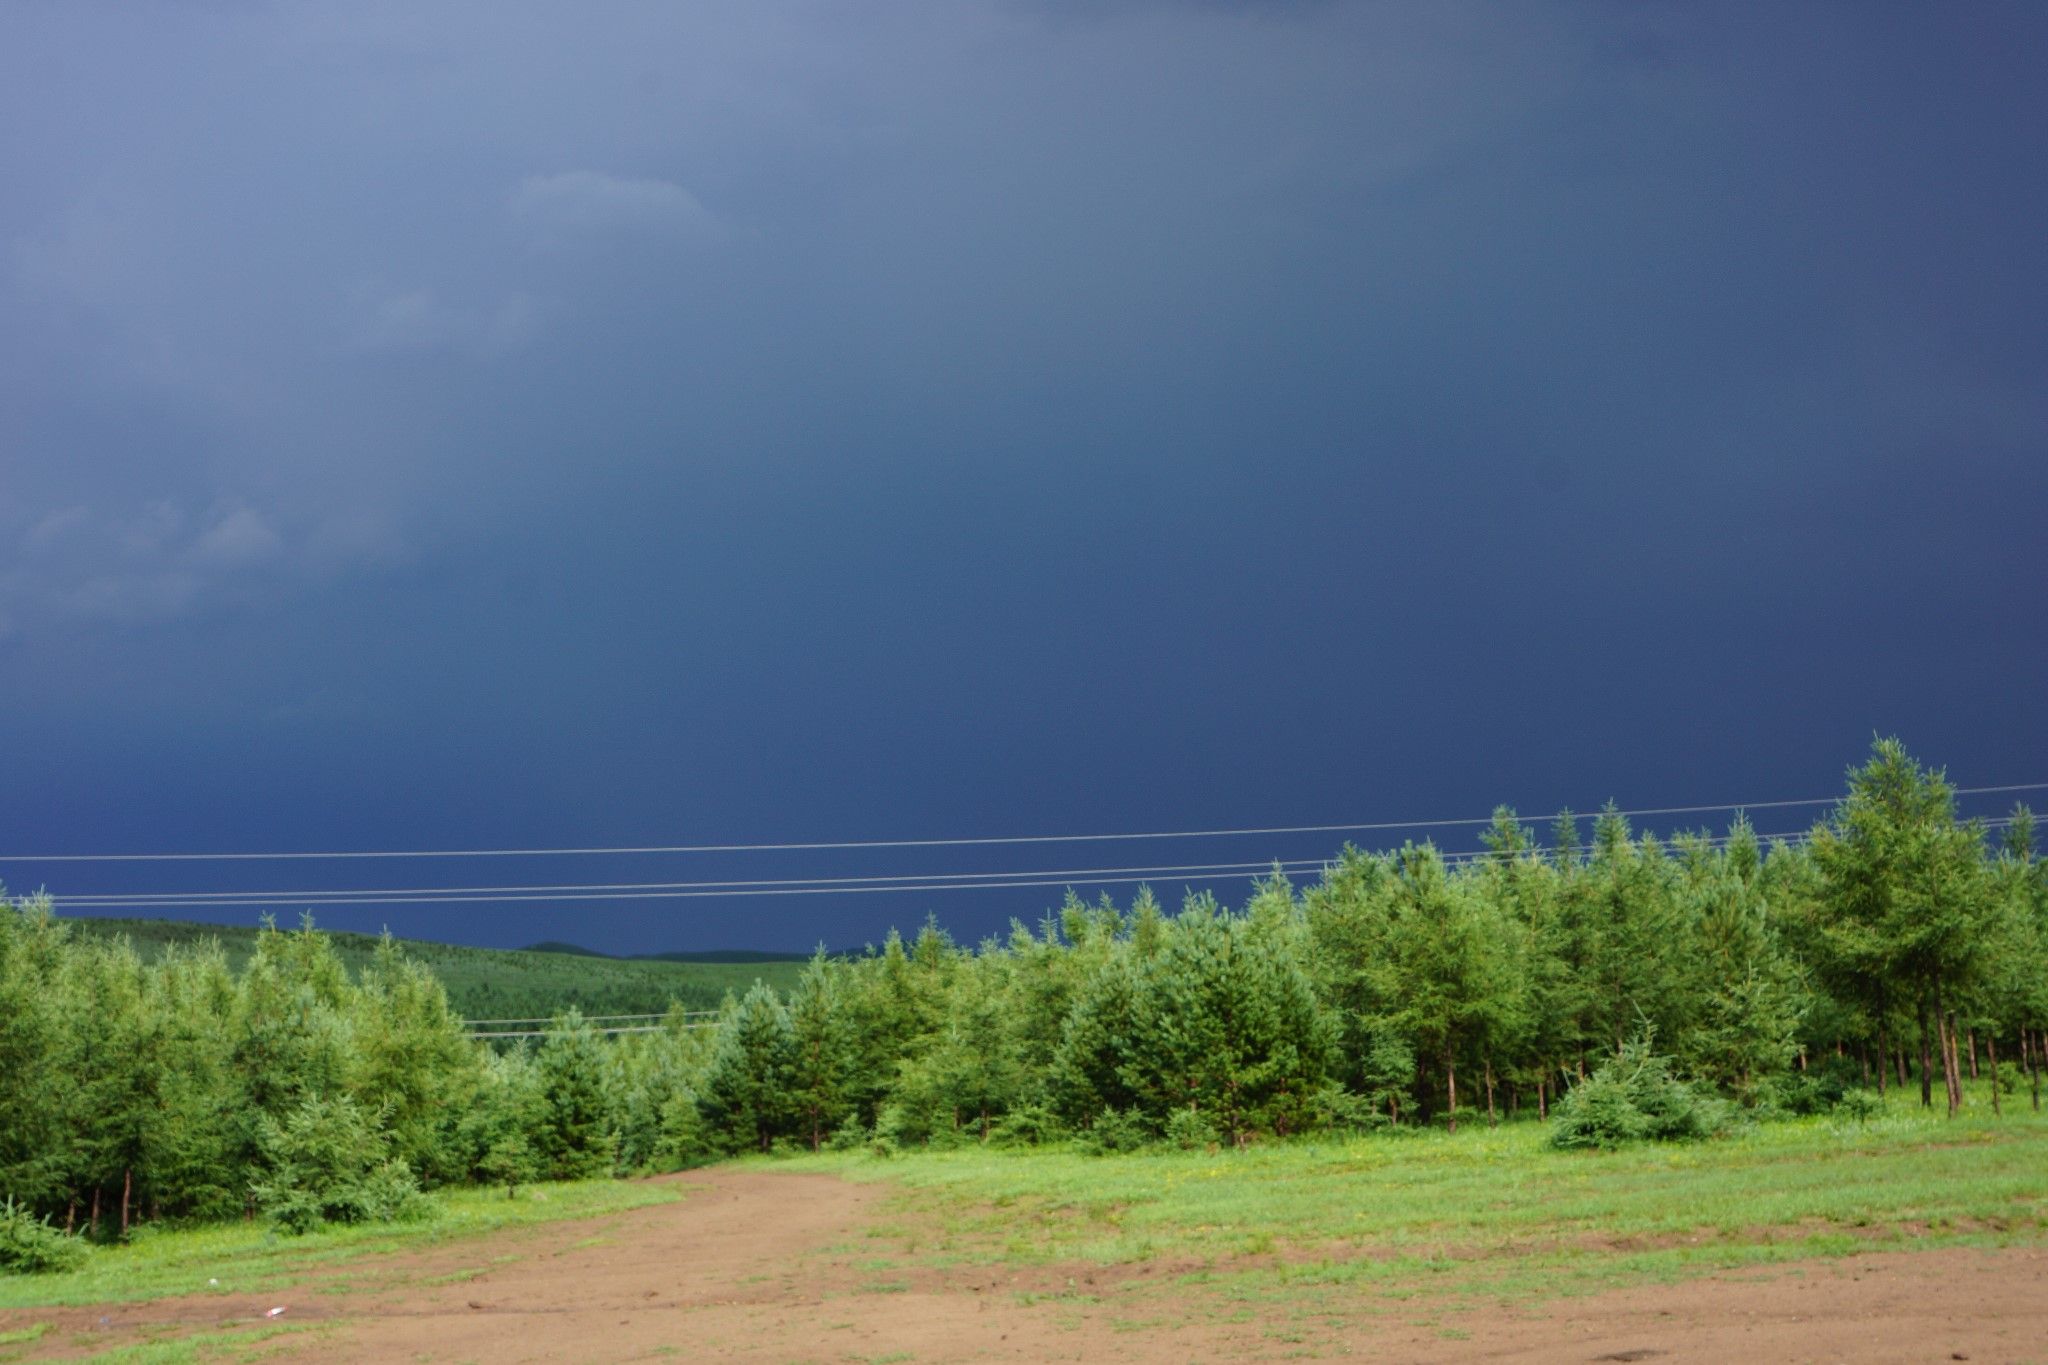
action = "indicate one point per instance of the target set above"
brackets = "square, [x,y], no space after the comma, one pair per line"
[411,1061]
[820,1051]
[1445,981]
[1906,898]
[576,1138]
[744,1097]
[1225,1025]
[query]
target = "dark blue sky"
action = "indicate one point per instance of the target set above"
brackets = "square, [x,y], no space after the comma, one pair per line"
[433,425]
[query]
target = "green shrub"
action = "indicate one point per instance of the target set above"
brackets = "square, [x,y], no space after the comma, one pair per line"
[1028,1125]
[1340,1110]
[1191,1131]
[509,1162]
[1816,1090]
[30,1246]
[329,1163]
[849,1136]
[1633,1097]
[1117,1130]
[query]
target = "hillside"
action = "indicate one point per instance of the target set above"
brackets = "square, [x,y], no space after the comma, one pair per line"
[497,983]
[727,955]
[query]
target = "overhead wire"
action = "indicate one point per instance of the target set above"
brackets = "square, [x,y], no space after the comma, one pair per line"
[827,886]
[980,841]
[104,903]
[174,897]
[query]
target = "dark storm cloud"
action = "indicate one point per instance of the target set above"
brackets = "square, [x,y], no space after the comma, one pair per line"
[478,421]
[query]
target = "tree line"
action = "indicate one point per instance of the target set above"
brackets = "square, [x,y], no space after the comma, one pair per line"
[1897,946]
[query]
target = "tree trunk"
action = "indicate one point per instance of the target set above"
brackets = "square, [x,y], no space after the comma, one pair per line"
[2034,1068]
[1991,1055]
[127,1189]
[71,1209]
[1926,1071]
[1955,1052]
[1543,1096]
[1899,1057]
[1451,1081]
[95,1224]
[1491,1117]
[1973,1054]
[1863,1060]
[1944,1026]
[1884,1060]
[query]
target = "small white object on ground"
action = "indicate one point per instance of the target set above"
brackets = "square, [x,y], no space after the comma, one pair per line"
[273,1312]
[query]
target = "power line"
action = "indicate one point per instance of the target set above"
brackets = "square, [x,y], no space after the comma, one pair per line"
[111,903]
[917,843]
[833,887]
[522,892]
[177,897]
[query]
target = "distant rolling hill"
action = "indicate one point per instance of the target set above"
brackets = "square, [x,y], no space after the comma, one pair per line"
[714,955]
[497,983]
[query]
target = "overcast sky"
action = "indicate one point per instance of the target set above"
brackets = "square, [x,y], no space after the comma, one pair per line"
[440,424]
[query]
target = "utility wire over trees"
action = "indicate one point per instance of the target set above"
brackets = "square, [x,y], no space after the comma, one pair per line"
[1648,985]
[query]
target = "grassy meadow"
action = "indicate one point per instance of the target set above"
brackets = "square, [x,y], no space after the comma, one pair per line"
[1487,1212]
[1420,1223]
[252,1257]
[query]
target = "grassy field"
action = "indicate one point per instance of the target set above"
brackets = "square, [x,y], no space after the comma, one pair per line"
[1488,1213]
[493,983]
[248,1258]
[238,1258]
[1304,1236]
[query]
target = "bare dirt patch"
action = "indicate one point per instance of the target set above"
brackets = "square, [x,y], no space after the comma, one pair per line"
[760,1265]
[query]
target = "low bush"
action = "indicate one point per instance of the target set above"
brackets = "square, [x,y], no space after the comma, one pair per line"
[1816,1090]
[1028,1125]
[31,1246]
[1633,1097]
[329,1162]
[1339,1110]
[849,1136]
[1190,1130]
[1116,1130]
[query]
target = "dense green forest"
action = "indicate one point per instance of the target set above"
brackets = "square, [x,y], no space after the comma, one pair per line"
[493,983]
[1615,984]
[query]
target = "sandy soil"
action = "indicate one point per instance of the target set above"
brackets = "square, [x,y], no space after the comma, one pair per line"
[781,1267]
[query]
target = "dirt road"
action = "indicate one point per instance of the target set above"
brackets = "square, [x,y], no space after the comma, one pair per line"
[782,1267]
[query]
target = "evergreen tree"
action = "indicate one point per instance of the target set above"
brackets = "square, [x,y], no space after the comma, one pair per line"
[744,1097]
[576,1138]
[1906,898]
[1225,1025]
[411,1061]
[1445,982]
[821,1057]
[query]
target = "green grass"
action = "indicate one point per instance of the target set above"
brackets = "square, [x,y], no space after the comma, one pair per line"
[250,1258]
[1488,1211]
[240,1345]
[494,983]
